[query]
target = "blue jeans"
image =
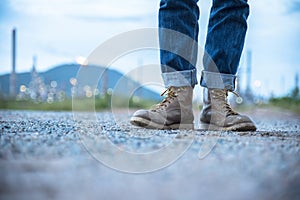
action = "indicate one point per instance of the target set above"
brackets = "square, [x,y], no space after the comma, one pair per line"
[224,43]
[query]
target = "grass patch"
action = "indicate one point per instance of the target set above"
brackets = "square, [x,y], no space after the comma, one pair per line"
[288,103]
[84,104]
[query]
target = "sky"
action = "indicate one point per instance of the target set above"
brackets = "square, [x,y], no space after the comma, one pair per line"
[61,31]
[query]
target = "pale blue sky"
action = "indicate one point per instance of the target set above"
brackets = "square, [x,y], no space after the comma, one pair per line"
[58,31]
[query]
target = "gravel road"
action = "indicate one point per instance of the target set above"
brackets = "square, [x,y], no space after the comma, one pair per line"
[57,155]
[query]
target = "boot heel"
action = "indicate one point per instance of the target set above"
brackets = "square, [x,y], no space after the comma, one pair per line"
[182,126]
[207,127]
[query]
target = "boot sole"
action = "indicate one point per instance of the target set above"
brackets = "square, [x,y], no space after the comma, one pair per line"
[145,123]
[236,127]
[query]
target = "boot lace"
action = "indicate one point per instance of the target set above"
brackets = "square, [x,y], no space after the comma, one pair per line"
[222,95]
[171,94]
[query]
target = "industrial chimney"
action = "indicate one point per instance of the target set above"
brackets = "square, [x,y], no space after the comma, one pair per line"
[12,86]
[248,92]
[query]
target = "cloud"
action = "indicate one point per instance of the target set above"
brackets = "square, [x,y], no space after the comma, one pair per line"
[6,11]
[59,30]
[111,18]
[293,6]
[3,9]
[92,8]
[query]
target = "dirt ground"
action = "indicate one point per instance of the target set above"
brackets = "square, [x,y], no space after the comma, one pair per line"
[59,155]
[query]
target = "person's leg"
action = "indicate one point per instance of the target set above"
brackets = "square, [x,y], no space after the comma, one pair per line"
[178,16]
[224,44]
[225,41]
[178,35]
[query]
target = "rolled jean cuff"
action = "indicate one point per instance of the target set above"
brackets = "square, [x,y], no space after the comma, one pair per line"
[180,78]
[217,80]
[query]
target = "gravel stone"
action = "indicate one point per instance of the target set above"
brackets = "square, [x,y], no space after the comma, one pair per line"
[43,155]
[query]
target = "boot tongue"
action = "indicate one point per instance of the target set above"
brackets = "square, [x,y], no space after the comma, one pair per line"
[221,99]
[171,93]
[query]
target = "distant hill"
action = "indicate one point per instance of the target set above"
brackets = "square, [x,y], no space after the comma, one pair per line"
[63,73]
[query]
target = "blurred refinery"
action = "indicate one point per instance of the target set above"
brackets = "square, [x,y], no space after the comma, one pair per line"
[59,83]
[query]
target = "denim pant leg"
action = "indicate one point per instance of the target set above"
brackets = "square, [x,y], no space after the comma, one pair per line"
[224,43]
[178,52]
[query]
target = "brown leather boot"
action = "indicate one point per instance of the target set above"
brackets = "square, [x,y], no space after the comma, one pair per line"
[217,114]
[174,112]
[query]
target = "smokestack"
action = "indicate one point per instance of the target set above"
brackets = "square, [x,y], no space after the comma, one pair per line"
[248,93]
[12,89]
[34,58]
[249,65]
[14,50]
